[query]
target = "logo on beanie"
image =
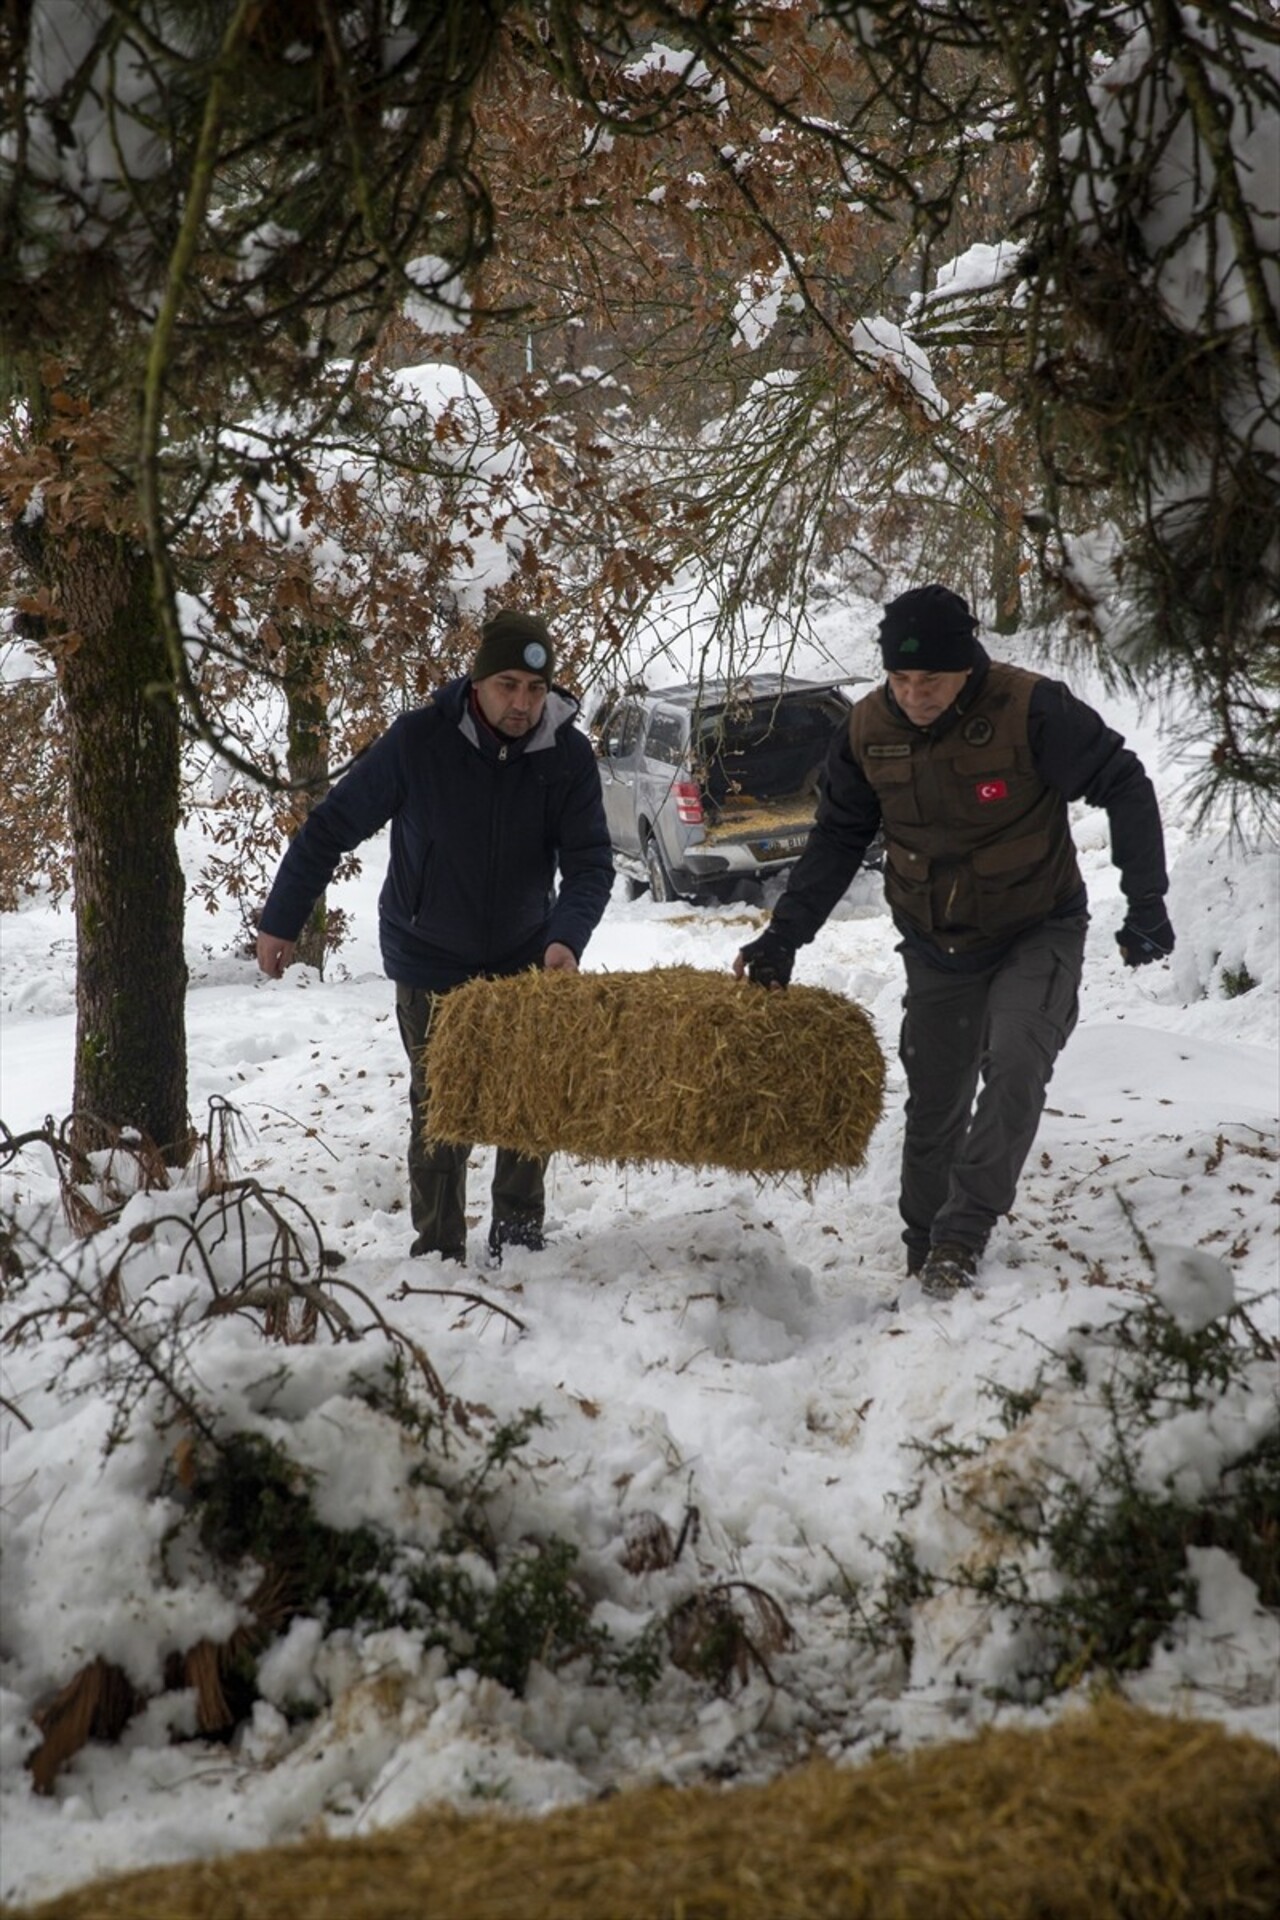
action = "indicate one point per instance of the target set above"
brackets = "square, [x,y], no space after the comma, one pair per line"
[535,656]
[909,645]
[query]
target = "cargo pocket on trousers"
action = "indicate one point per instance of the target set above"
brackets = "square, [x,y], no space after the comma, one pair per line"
[1062,1000]
[1039,987]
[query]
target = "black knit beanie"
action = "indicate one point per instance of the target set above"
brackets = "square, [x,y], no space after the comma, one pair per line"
[514,642]
[930,629]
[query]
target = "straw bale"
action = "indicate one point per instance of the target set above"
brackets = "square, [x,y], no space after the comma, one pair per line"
[97,1704]
[671,1065]
[1111,1814]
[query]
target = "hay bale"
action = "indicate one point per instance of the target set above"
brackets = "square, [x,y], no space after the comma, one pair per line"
[1110,1814]
[671,1065]
[97,1704]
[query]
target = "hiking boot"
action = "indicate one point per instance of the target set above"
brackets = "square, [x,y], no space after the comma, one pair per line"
[514,1233]
[916,1257]
[949,1270]
[422,1246]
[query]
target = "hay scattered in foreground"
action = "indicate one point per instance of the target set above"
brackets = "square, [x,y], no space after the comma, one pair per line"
[674,1064]
[1110,1815]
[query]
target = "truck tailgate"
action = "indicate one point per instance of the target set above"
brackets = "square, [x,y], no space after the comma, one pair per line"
[772,828]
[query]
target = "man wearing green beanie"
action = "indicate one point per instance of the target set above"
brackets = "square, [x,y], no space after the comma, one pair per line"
[492,793]
[515,643]
[969,765]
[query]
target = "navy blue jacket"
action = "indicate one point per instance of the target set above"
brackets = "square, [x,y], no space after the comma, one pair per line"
[479,826]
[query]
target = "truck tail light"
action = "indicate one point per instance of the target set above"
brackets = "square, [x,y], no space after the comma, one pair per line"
[689,803]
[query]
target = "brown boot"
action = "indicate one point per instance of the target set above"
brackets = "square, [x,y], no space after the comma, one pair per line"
[949,1270]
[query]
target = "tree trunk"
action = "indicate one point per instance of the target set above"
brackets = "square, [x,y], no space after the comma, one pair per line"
[123,752]
[306,695]
[1006,572]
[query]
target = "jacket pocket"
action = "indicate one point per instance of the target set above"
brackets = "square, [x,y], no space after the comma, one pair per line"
[907,883]
[420,891]
[992,784]
[1007,856]
[1011,882]
[894,788]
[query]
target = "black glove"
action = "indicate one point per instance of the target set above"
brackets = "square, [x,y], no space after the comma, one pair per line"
[1146,934]
[769,959]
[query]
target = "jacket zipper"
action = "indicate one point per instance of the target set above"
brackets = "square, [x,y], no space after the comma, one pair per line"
[495,816]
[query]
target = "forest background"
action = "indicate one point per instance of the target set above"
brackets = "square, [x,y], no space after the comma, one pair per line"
[775,297]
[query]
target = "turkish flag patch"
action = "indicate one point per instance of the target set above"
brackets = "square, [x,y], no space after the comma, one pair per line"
[991,790]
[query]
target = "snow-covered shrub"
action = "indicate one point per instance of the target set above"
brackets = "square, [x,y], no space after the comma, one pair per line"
[232,1453]
[1226,911]
[1067,1542]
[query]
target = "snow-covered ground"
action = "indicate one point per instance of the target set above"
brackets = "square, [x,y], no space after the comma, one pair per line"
[692,1341]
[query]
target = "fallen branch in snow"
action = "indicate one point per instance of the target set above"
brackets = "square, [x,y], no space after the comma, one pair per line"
[461,1293]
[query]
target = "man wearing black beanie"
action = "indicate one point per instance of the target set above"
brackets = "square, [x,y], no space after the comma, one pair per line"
[490,791]
[969,765]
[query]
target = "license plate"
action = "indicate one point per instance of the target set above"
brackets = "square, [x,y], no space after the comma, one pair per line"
[778,844]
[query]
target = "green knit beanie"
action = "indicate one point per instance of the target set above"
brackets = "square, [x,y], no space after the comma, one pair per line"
[514,643]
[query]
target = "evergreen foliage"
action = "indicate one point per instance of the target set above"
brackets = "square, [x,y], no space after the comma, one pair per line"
[1083,1556]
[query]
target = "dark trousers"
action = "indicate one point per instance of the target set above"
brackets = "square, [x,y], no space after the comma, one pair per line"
[1005,1027]
[438,1172]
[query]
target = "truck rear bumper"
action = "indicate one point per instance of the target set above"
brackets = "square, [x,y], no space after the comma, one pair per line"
[760,854]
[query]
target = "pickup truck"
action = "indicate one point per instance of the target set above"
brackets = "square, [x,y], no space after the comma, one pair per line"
[710,788]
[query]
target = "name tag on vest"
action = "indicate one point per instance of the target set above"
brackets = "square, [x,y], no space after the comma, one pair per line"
[897,750]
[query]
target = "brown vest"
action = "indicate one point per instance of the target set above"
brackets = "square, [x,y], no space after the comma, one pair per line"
[978,847]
